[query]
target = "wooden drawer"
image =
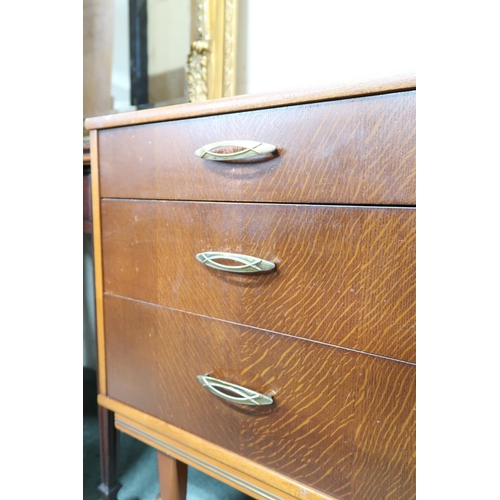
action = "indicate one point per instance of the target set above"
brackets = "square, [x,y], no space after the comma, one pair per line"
[341,422]
[355,151]
[344,275]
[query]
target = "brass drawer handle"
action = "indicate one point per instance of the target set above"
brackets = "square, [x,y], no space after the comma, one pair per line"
[251,148]
[242,395]
[249,264]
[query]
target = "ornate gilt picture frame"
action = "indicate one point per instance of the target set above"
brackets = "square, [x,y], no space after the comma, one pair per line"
[210,68]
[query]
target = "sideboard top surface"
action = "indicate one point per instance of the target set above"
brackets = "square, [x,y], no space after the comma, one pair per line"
[301,95]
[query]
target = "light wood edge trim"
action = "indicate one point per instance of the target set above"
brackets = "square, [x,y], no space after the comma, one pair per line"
[211,459]
[98,275]
[354,88]
[223,473]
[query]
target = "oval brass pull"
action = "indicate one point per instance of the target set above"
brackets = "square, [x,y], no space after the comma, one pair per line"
[242,395]
[249,264]
[251,148]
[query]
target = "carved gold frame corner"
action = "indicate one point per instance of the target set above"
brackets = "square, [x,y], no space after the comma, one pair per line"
[211,62]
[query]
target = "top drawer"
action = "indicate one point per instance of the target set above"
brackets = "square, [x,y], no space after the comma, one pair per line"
[353,151]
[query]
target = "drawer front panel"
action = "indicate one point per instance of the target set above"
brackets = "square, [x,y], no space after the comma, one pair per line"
[344,275]
[341,422]
[355,151]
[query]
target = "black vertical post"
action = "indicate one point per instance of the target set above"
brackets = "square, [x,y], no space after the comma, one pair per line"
[138,26]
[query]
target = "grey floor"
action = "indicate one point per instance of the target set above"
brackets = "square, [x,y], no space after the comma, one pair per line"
[137,462]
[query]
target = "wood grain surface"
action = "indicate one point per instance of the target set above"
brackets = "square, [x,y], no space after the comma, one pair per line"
[344,275]
[241,473]
[356,87]
[342,422]
[330,332]
[359,151]
[97,260]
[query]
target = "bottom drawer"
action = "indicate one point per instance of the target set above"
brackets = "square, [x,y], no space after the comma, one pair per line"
[342,422]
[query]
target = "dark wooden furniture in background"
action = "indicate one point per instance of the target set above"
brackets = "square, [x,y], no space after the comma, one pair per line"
[108,435]
[87,190]
[329,333]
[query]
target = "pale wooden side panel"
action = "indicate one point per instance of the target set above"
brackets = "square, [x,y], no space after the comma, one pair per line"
[98,273]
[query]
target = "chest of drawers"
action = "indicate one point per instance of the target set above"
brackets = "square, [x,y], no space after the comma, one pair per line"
[295,380]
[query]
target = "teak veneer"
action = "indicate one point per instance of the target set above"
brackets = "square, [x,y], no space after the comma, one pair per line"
[353,279]
[370,140]
[328,333]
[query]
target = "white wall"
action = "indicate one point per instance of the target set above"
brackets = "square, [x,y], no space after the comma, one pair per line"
[169,40]
[169,32]
[289,43]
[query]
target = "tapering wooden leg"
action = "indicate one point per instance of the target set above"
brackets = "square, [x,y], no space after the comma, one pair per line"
[108,442]
[173,478]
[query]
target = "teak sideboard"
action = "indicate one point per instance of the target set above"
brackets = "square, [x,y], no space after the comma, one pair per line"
[255,283]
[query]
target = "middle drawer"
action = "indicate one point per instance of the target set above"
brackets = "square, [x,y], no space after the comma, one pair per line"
[344,275]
